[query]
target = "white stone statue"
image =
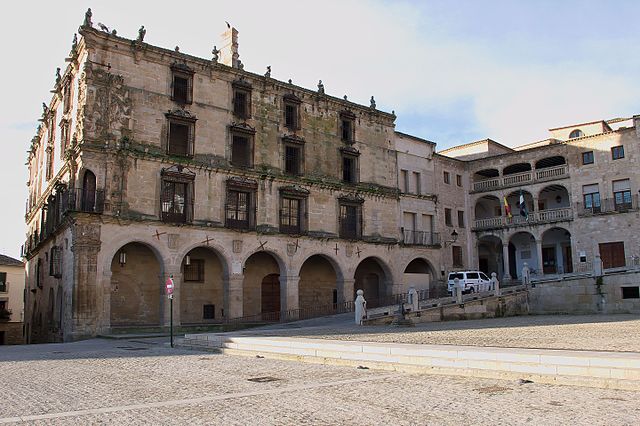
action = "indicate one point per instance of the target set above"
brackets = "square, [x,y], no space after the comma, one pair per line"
[495,284]
[360,307]
[412,298]
[458,287]
[526,275]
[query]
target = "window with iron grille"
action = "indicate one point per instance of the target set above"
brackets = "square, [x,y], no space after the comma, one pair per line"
[350,221]
[617,152]
[181,84]
[291,215]
[239,209]
[55,262]
[447,217]
[242,150]
[349,168]
[194,272]
[293,159]
[176,201]
[291,115]
[242,103]
[456,252]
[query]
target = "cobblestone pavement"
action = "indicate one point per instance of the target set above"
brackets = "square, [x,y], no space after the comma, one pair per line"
[574,332]
[144,381]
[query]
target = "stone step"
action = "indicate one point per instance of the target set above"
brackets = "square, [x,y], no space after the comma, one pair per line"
[618,370]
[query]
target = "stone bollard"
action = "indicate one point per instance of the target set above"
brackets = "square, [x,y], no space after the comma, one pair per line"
[495,283]
[360,307]
[457,285]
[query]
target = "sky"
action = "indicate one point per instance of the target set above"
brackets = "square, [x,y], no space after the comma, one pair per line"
[453,71]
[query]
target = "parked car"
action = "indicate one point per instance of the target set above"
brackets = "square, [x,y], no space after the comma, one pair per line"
[473,281]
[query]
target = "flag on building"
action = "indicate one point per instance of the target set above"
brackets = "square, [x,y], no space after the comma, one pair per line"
[523,206]
[507,209]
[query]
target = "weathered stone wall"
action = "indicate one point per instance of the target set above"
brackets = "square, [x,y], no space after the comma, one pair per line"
[585,296]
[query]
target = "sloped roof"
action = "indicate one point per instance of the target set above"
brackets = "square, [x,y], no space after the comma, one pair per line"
[9,261]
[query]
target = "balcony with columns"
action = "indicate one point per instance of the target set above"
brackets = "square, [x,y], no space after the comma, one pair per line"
[544,170]
[551,205]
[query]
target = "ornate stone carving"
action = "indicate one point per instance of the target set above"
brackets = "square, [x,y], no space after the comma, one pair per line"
[87,18]
[108,106]
[172,241]
[237,246]
[320,87]
[373,103]
[141,33]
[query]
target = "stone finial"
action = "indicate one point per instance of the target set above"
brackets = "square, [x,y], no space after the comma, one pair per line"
[141,33]
[320,87]
[345,97]
[114,32]
[177,49]
[45,110]
[268,73]
[74,45]
[240,65]
[290,81]
[87,19]
[216,55]
[58,76]
[373,103]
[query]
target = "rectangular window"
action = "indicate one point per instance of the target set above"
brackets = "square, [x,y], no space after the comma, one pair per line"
[347,130]
[50,160]
[591,197]
[290,215]
[240,214]
[350,221]
[241,150]
[456,253]
[194,272]
[612,254]
[459,180]
[461,218]
[182,87]
[416,183]
[631,292]
[66,97]
[3,282]
[447,177]
[65,137]
[242,103]
[208,311]
[404,181]
[587,157]
[55,262]
[447,217]
[181,136]
[349,168]
[622,194]
[291,116]
[617,152]
[175,202]
[293,159]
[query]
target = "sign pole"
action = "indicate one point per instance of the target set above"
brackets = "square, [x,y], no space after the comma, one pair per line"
[171,318]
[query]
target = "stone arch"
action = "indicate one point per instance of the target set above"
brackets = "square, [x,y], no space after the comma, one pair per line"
[522,249]
[111,249]
[554,161]
[557,252]
[88,193]
[373,276]
[516,168]
[261,285]
[137,286]
[554,197]
[274,254]
[218,250]
[490,255]
[420,274]
[201,288]
[487,207]
[318,284]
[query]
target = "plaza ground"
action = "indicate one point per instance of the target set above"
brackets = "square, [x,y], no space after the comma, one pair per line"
[143,381]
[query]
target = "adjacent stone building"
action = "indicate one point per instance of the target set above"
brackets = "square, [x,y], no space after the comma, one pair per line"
[261,198]
[11,300]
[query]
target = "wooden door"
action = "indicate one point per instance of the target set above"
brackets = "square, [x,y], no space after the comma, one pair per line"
[549,260]
[612,255]
[567,259]
[271,293]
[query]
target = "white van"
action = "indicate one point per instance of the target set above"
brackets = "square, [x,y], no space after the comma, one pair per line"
[474,281]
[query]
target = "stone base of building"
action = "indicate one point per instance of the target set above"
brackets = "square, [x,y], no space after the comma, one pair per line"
[11,333]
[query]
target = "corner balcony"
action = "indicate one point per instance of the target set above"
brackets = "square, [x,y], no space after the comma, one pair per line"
[535,218]
[522,178]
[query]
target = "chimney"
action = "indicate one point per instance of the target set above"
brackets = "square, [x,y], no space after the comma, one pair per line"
[229,50]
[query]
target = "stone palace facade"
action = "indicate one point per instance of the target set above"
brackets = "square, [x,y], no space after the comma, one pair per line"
[261,197]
